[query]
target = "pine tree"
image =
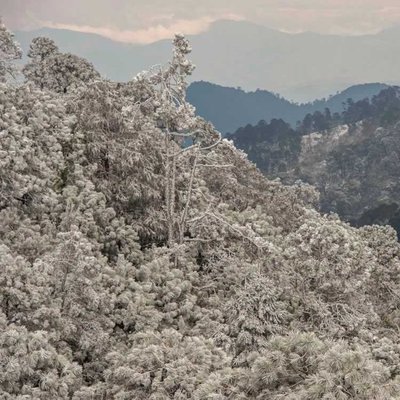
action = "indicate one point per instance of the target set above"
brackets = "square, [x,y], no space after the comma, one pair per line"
[9,52]
[56,71]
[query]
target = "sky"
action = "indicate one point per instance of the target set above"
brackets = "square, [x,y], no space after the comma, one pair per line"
[146,21]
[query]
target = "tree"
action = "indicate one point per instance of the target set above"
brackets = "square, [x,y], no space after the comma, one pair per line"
[42,48]
[56,71]
[9,52]
[176,119]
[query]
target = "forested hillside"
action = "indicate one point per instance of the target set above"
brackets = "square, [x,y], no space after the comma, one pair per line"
[231,108]
[134,268]
[353,159]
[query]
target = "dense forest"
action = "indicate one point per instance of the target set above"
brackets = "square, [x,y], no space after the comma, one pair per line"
[133,267]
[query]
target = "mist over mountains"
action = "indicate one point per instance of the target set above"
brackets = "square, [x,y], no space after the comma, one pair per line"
[301,67]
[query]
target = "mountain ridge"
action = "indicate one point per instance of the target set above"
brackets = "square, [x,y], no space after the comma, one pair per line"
[251,56]
[231,108]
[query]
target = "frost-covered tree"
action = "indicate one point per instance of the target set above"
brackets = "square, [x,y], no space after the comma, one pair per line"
[60,72]
[36,71]
[9,52]
[165,365]
[32,368]
[143,257]
[301,366]
[178,124]
[42,48]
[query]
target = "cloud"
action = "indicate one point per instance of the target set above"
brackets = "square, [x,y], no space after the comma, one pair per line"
[144,21]
[346,17]
[147,35]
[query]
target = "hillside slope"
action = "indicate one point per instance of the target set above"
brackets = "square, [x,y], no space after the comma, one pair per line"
[355,165]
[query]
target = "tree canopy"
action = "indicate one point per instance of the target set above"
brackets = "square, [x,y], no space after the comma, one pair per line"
[136,265]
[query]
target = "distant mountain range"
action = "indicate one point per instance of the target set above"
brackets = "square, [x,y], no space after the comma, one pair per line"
[301,66]
[229,108]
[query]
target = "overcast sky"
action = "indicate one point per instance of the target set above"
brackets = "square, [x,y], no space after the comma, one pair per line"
[145,21]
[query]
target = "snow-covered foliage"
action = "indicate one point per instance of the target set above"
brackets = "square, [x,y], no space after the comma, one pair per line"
[9,51]
[59,72]
[134,268]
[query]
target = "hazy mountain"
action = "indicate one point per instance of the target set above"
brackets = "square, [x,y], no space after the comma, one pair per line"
[354,163]
[115,60]
[301,66]
[229,108]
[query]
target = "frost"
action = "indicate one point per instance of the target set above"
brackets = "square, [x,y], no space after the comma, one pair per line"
[134,265]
